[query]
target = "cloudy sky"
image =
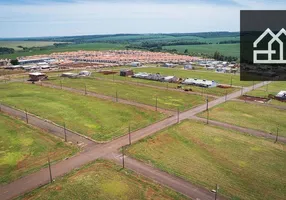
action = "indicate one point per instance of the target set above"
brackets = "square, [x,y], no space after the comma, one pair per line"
[31,18]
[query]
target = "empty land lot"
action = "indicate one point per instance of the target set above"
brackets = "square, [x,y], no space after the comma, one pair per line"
[213,91]
[253,116]
[244,166]
[273,88]
[96,118]
[24,149]
[166,99]
[221,78]
[102,180]
[209,49]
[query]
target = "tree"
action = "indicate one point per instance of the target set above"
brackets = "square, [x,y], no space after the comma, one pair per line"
[186,51]
[14,62]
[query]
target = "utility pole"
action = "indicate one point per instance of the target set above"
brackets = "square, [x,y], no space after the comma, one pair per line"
[225,95]
[276,135]
[85,92]
[65,132]
[116,96]
[129,133]
[216,191]
[50,170]
[207,109]
[26,113]
[178,113]
[156,103]
[123,154]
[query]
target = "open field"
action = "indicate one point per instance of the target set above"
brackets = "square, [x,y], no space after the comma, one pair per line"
[71,47]
[258,117]
[210,49]
[273,88]
[102,180]
[221,78]
[244,167]
[96,118]
[15,44]
[24,149]
[166,99]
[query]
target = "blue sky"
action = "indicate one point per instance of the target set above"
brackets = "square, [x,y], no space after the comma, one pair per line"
[31,18]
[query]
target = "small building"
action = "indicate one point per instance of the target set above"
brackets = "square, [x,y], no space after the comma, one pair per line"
[69,75]
[170,79]
[126,72]
[4,62]
[37,76]
[84,73]
[169,65]
[200,82]
[135,64]
[281,96]
[188,67]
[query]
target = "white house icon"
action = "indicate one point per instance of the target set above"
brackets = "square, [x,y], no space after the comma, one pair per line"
[269,52]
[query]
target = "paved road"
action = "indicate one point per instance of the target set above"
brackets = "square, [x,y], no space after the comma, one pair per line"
[178,184]
[243,130]
[41,177]
[101,96]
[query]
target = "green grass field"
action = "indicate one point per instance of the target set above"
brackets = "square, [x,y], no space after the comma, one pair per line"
[72,47]
[272,88]
[166,99]
[24,149]
[28,44]
[258,117]
[210,49]
[102,180]
[221,78]
[96,118]
[134,81]
[244,167]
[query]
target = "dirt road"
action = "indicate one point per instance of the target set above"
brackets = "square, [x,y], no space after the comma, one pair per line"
[243,130]
[178,184]
[41,177]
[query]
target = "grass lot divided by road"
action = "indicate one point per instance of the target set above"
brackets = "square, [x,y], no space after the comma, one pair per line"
[222,78]
[253,116]
[272,88]
[166,99]
[245,167]
[213,91]
[24,149]
[210,49]
[72,47]
[96,118]
[102,180]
